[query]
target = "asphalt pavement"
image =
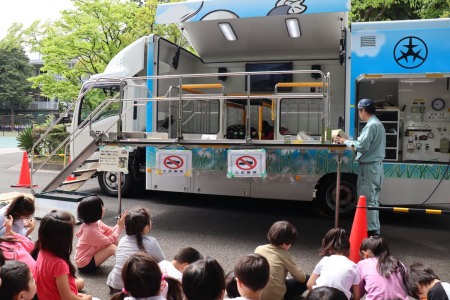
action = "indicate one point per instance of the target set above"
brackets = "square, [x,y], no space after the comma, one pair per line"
[227,227]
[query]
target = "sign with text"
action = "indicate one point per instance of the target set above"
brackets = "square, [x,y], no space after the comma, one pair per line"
[174,162]
[246,163]
[437,116]
[113,159]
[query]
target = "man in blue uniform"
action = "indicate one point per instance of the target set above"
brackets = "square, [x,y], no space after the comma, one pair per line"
[370,147]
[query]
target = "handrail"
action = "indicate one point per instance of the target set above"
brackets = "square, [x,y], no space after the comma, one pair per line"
[193,88]
[301,84]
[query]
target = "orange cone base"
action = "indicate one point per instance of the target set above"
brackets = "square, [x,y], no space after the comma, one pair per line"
[25,177]
[70,178]
[23,185]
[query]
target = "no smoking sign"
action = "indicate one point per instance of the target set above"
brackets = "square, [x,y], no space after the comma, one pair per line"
[174,162]
[246,163]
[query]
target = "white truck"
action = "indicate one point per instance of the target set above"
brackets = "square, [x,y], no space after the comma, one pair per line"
[275,76]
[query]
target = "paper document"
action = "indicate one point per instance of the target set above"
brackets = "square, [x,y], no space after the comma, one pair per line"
[339,132]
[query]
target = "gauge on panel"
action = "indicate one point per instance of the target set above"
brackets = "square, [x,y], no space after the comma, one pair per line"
[438,104]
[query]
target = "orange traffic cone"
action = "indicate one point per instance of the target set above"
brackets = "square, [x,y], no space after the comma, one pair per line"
[25,178]
[71,177]
[359,229]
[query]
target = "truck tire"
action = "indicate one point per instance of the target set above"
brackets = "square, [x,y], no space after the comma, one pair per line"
[326,195]
[108,182]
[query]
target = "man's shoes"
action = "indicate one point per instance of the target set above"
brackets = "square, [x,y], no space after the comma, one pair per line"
[373,233]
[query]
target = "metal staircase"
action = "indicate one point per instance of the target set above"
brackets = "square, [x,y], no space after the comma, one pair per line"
[81,167]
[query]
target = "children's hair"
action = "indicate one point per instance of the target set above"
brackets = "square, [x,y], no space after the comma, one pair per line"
[187,255]
[15,277]
[203,280]
[90,209]
[416,275]
[387,264]
[231,285]
[282,232]
[142,278]
[135,222]
[336,241]
[326,293]
[20,206]
[55,235]
[253,271]
[2,258]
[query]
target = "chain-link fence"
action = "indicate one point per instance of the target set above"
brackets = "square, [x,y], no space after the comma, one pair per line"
[20,122]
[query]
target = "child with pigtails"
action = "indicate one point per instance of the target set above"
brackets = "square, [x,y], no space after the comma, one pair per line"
[137,228]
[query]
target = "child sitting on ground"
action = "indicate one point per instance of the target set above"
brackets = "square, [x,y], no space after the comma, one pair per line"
[181,260]
[16,246]
[137,228]
[96,240]
[22,210]
[382,275]
[204,280]
[335,269]
[252,275]
[142,279]
[326,293]
[17,281]
[423,283]
[282,235]
[55,273]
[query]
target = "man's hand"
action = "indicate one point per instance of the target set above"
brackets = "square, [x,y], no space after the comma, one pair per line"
[339,140]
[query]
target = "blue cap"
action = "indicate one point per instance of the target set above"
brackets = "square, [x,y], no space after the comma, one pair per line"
[366,103]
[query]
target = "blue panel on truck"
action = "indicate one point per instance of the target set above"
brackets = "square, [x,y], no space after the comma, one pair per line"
[194,11]
[149,105]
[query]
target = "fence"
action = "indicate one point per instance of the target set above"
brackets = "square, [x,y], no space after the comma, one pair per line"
[20,122]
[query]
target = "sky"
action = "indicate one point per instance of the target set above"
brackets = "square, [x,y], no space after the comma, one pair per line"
[27,11]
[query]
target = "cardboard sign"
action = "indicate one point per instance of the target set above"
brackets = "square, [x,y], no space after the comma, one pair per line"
[174,162]
[246,163]
[113,159]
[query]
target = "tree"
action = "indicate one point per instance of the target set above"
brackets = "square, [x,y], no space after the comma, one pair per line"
[85,39]
[435,9]
[14,71]
[384,10]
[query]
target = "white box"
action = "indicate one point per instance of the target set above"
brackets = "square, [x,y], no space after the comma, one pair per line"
[60,200]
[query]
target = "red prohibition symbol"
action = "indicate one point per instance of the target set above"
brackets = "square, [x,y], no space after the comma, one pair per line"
[173,162]
[246,163]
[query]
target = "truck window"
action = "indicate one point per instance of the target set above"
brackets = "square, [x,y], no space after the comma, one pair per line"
[94,97]
[301,115]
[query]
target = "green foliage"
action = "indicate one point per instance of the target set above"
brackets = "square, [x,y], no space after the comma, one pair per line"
[83,41]
[435,9]
[14,71]
[54,138]
[384,10]
[25,140]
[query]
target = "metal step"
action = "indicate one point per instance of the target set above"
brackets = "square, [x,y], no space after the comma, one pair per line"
[76,162]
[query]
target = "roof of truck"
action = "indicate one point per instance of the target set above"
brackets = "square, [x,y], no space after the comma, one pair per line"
[260,28]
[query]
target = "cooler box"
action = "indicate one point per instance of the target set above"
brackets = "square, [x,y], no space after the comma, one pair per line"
[60,200]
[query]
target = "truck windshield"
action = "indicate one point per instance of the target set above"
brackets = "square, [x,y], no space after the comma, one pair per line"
[94,97]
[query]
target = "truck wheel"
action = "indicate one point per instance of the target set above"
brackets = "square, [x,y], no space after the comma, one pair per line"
[326,196]
[109,181]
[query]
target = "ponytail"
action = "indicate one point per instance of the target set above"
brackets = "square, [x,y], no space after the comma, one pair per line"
[174,292]
[387,264]
[139,242]
[118,296]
